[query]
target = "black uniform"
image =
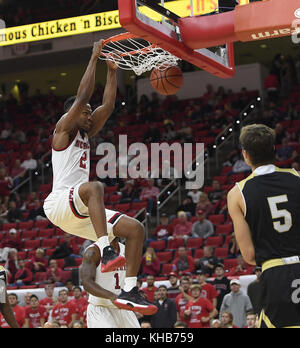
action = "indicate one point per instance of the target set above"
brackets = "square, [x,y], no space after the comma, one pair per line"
[272,199]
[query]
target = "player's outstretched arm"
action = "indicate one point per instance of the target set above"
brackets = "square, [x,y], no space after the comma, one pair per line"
[102,113]
[241,228]
[90,262]
[84,93]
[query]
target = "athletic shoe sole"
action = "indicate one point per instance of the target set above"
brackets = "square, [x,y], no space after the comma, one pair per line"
[134,307]
[114,264]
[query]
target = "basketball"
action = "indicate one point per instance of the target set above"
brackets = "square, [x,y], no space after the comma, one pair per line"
[168,81]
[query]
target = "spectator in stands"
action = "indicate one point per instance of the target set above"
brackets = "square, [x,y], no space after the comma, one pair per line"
[280,133]
[27,299]
[208,291]
[226,320]
[149,193]
[17,172]
[180,325]
[35,315]
[251,320]
[199,318]
[195,195]
[6,183]
[129,193]
[165,317]
[48,301]
[183,228]
[284,152]
[3,212]
[221,284]
[205,204]
[54,274]
[77,324]
[184,262]
[185,132]
[150,289]
[173,289]
[187,206]
[29,163]
[272,86]
[146,325]
[208,262]
[65,311]
[11,265]
[37,213]
[14,213]
[152,135]
[183,298]
[240,166]
[237,303]
[242,268]
[254,291]
[70,287]
[169,133]
[23,275]
[11,241]
[215,324]
[233,248]
[202,228]
[150,264]
[67,250]
[19,311]
[30,203]
[216,192]
[38,262]
[164,230]
[6,130]
[79,300]
[221,205]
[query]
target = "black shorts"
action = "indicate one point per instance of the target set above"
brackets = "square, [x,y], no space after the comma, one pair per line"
[280,296]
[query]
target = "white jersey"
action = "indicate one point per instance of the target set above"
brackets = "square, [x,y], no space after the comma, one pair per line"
[111,281]
[71,165]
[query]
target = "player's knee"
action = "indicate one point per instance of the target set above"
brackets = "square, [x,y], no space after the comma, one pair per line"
[97,188]
[138,230]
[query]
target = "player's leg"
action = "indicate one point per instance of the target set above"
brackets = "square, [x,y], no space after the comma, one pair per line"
[91,195]
[130,298]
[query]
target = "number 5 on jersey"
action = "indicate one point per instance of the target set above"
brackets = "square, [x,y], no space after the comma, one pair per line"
[280,213]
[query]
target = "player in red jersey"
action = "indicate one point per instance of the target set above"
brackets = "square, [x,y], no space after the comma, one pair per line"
[199,311]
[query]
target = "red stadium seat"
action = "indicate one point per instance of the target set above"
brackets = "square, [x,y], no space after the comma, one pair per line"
[123,207]
[137,206]
[221,253]
[42,223]
[167,268]
[8,226]
[49,243]
[158,245]
[214,241]
[216,219]
[31,244]
[164,256]
[26,225]
[221,178]
[195,243]
[46,233]
[224,229]
[40,277]
[175,243]
[199,253]
[189,252]
[230,263]
[29,234]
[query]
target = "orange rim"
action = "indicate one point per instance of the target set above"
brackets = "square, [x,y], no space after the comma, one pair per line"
[126,36]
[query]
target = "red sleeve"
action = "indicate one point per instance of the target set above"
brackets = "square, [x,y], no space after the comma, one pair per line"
[209,305]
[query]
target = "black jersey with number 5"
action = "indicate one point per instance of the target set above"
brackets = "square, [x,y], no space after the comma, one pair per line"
[272,201]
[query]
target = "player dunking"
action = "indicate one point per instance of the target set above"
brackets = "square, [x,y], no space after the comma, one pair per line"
[103,289]
[77,205]
[265,212]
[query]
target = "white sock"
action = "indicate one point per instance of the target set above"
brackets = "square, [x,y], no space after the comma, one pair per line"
[130,283]
[103,242]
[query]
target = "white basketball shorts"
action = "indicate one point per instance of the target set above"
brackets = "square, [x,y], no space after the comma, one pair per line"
[66,210]
[105,317]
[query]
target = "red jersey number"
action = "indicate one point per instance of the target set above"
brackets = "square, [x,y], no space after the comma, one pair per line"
[83,160]
[117,286]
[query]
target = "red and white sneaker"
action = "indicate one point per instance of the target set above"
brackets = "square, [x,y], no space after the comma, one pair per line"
[134,301]
[111,260]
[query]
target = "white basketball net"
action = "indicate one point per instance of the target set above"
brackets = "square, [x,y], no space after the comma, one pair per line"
[138,55]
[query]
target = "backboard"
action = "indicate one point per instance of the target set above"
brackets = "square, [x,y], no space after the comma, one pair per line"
[159,24]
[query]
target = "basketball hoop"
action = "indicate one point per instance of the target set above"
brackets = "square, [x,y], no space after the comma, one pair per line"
[132,53]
